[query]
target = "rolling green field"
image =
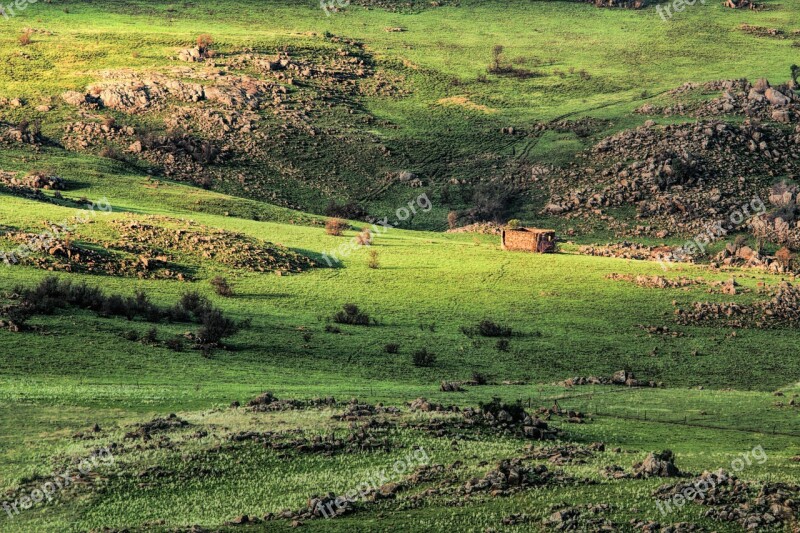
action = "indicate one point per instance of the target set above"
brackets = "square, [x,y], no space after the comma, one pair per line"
[72,369]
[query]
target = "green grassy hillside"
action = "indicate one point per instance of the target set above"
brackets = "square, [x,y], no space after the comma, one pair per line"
[426,105]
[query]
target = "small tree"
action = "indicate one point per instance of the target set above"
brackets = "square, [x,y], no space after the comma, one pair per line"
[497,57]
[374,261]
[514,223]
[795,73]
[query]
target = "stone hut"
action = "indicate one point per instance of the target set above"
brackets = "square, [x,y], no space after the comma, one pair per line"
[536,240]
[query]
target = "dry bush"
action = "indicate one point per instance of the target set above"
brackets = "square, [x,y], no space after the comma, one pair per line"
[335,226]
[452,219]
[365,237]
[25,38]
[784,257]
[204,41]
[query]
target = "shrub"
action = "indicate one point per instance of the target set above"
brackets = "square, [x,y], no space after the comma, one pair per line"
[784,257]
[349,210]
[332,329]
[497,58]
[25,38]
[111,152]
[364,238]
[51,293]
[494,407]
[392,347]
[452,219]
[335,227]
[351,314]
[373,259]
[131,335]
[221,286]
[490,203]
[109,121]
[423,358]
[175,343]
[487,328]
[502,345]
[479,379]
[151,337]
[195,303]
[215,327]
[204,41]
[18,315]
[514,223]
